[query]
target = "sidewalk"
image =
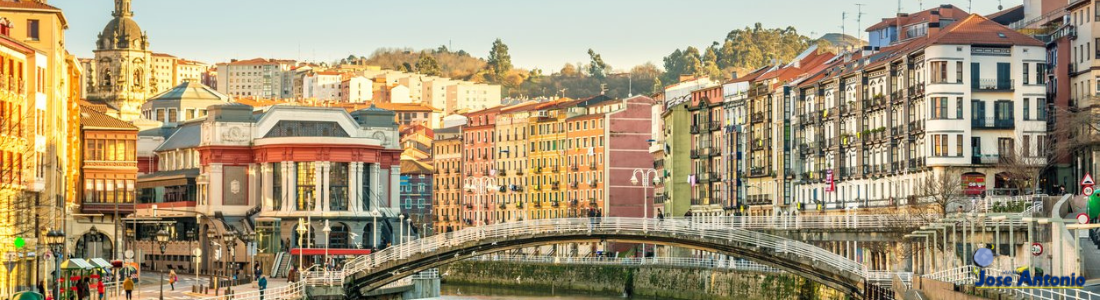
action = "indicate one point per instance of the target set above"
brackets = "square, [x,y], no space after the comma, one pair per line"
[244,288]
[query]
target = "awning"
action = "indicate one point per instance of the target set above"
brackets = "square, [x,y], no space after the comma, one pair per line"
[100,263]
[76,264]
[321,251]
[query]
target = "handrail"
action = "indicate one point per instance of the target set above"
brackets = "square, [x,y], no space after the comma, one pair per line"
[792,222]
[289,291]
[711,263]
[716,231]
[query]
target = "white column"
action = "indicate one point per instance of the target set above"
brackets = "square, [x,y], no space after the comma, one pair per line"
[214,186]
[395,187]
[354,186]
[326,170]
[376,185]
[318,169]
[255,184]
[268,179]
[290,189]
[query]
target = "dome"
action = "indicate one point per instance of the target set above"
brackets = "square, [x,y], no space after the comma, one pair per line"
[119,29]
[191,90]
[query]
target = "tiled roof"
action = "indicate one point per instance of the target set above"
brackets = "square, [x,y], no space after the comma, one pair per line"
[27,4]
[93,119]
[190,90]
[978,30]
[187,136]
[259,61]
[409,166]
[947,11]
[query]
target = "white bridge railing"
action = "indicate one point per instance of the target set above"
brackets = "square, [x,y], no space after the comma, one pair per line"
[815,222]
[692,262]
[968,275]
[294,290]
[717,231]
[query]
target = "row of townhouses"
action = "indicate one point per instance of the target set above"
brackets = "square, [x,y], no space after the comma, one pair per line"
[963,100]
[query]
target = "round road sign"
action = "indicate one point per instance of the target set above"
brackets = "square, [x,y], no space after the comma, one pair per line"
[1082,218]
[129,254]
[1087,190]
[1036,249]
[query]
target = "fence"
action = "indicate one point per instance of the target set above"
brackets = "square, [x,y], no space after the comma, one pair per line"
[692,262]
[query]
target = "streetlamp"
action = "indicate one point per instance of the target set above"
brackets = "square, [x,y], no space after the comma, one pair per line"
[301,234]
[646,174]
[162,240]
[248,246]
[478,185]
[56,241]
[328,240]
[230,239]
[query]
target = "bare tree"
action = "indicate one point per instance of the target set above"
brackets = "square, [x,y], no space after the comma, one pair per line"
[1022,166]
[941,190]
[1077,129]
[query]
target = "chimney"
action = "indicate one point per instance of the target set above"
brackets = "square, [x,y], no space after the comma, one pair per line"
[934,22]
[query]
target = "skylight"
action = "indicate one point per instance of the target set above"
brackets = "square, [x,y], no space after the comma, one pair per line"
[1002,35]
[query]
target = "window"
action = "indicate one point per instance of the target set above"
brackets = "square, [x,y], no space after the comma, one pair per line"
[1027,109]
[939,108]
[32,30]
[338,187]
[1026,71]
[958,72]
[1040,145]
[277,186]
[160,115]
[959,108]
[959,145]
[939,71]
[306,181]
[1040,73]
[173,115]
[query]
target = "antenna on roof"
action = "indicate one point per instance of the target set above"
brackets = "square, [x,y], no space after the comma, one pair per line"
[843,19]
[859,21]
[899,6]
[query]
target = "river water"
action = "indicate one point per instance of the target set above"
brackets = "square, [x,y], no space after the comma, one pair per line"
[476,292]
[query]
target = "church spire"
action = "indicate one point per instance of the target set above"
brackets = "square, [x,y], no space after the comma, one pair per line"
[122,9]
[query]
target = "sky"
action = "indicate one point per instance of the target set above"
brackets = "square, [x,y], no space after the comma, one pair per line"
[543,34]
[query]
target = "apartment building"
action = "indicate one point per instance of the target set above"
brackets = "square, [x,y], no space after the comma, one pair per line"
[479,152]
[256,78]
[964,101]
[448,187]
[356,89]
[322,86]
[512,136]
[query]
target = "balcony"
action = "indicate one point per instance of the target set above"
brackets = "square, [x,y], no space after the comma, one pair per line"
[660,198]
[757,171]
[658,163]
[554,186]
[574,184]
[694,129]
[896,98]
[573,168]
[758,199]
[988,159]
[594,183]
[916,127]
[992,123]
[714,177]
[519,172]
[502,172]
[993,85]
[694,153]
[916,91]
[715,125]
[757,117]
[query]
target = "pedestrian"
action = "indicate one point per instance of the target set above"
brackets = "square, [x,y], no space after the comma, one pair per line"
[172,279]
[259,271]
[128,286]
[263,286]
[41,287]
[102,290]
[82,290]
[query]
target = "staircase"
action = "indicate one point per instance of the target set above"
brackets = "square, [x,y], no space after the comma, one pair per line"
[284,265]
[276,264]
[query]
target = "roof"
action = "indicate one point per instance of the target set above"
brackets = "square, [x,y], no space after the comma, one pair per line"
[945,11]
[409,166]
[190,90]
[259,61]
[187,136]
[160,175]
[93,119]
[978,30]
[33,5]
[520,107]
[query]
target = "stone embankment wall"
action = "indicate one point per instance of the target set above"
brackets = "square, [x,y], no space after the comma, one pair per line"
[657,282]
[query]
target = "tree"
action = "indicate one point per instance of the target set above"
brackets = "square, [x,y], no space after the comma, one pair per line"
[351,58]
[941,190]
[597,68]
[568,70]
[499,62]
[710,64]
[427,65]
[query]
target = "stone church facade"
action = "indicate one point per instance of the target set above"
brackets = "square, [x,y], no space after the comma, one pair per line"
[121,74]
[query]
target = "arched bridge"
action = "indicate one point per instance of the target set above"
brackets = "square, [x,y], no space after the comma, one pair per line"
[369,272]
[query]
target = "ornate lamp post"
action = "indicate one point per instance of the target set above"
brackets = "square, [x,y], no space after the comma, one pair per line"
[646,173]
[248,240]
[479,185]
[301,234]
[162,241]
[56,240]
[328,240]
[230,238]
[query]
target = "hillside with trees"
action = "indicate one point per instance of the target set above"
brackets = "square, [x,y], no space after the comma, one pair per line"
[741,50]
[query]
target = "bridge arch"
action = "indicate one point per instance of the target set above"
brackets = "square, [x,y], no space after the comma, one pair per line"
[370,272]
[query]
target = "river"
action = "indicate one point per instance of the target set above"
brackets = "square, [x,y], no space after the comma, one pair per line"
[475,292]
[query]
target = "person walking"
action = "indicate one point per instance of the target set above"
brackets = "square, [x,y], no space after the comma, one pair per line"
[101,289]
[262,285]
[128,286]
[82,290]
[172,279]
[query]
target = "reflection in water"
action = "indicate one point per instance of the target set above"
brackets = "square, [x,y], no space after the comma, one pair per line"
[472,292]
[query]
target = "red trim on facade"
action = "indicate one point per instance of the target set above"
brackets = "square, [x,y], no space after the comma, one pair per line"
[321,251]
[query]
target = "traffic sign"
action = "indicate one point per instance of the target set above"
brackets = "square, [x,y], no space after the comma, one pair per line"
[1086,190]
[1082,218]
[1087,180]
[129,254]
[1036,249]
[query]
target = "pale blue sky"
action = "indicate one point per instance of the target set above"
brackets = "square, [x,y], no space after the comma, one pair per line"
[542,34]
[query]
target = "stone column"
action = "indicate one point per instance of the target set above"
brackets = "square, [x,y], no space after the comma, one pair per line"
[267,183]
[355,182]
[395,186]
[318,184]
[214,185]
[375,185]
[326,171]
[255,185]
[290,189]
